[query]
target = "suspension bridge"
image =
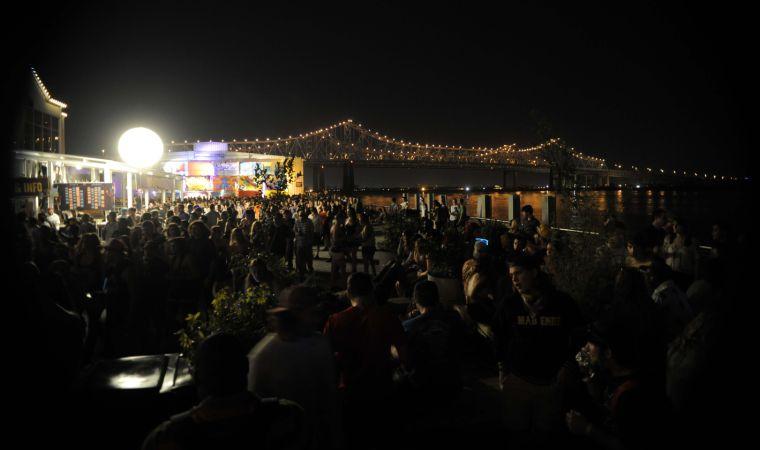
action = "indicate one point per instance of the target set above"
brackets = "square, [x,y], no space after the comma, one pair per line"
[349,144]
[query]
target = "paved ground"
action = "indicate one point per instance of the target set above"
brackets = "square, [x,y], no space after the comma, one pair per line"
[322,265]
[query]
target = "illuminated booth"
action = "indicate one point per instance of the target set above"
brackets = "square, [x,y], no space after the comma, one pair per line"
[211,170]
[91,185]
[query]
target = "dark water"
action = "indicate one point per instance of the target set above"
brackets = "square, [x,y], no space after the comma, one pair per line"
[699,209]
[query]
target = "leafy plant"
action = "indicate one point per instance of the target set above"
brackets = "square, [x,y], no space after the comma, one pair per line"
[260,174]
[279,180]
[446,253]
[239,265]
[395,226]
[581,270]
[242,314]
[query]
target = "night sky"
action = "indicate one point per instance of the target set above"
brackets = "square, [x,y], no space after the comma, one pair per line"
[643,84]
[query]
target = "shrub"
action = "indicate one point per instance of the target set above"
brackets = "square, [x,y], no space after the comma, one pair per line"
[242,314]
[580,270]
[396,224]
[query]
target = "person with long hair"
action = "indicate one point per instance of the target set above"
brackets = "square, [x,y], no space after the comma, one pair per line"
[353,237]
[338,245]
[304,239]
[368,244]
[258,237]
[217,238]
[637,254]
[239,244]
[317,219]
[680,253]
[88,262]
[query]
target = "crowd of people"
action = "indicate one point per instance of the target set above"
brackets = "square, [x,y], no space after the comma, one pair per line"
[389,350]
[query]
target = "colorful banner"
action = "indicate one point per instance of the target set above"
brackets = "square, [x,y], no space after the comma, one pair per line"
[247,167]
[199,184]
[247,184]
[227,168]
[227,183]
[249,194]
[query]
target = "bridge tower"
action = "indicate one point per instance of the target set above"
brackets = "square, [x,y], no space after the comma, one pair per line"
[318,177]
[509,179]
[551,178]
[348,177]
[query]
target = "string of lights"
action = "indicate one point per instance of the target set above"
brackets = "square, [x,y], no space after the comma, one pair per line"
[350,141]
[48,97]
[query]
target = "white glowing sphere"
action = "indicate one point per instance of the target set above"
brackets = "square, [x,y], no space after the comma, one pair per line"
[140,147]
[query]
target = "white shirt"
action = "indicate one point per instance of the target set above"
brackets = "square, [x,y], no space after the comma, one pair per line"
[54,220]
[303,371]
[454,213]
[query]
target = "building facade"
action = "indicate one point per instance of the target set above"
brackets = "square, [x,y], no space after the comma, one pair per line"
[41,166]
[42,126]
[211,170]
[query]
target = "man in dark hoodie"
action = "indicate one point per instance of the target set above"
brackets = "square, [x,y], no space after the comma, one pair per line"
[532,329]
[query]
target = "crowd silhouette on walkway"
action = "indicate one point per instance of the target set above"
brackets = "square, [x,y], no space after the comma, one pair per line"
[385,361]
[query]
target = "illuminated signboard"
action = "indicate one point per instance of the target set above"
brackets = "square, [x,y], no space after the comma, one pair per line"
[227,168]
[210,147]
[199,184]
[246,168]
[88,196]
[175,167]
[29,186]
[200,169]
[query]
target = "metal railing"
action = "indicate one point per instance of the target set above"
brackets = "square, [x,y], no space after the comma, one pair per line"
[483,219]
[506,222]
